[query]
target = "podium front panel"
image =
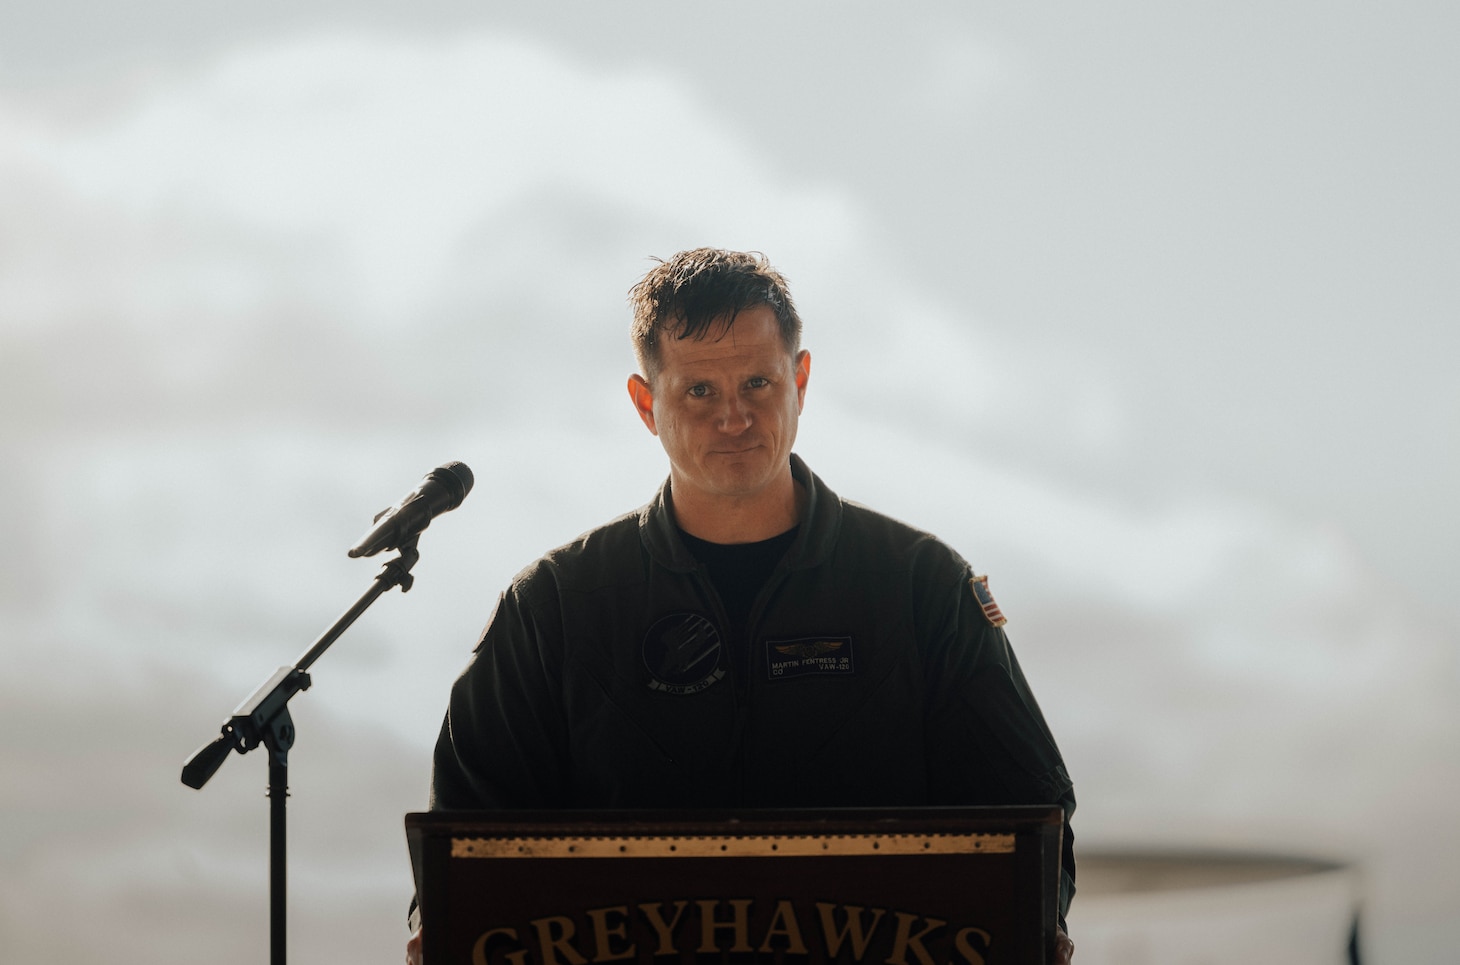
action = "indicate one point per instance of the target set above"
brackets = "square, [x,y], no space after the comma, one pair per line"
[934,886]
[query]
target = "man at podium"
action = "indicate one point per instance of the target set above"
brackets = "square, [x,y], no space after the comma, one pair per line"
[748,639]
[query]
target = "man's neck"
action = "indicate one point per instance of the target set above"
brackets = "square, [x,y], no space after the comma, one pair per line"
[719,519]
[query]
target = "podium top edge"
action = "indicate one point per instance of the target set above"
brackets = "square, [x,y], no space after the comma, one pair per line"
[738,822]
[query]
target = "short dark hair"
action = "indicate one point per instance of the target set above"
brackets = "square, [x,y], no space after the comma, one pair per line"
[695,289]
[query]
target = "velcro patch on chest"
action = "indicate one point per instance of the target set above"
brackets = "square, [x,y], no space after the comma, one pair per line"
[682,654]
[808,655]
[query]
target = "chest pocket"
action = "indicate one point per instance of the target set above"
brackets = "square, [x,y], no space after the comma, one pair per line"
[836,726]
[634,745]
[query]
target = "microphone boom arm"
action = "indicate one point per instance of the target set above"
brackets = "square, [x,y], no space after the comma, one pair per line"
[266,710]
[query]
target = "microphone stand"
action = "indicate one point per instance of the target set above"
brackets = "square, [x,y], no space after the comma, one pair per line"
[264,719]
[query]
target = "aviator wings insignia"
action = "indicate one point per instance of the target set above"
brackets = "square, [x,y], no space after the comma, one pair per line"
[803,649]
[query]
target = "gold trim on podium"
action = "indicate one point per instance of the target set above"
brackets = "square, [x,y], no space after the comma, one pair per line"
[747,846]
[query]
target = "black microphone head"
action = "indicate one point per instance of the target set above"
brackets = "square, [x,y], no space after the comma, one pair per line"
[458,478]
[441,491]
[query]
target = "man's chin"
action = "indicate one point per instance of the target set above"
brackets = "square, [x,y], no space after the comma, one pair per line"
[739,480]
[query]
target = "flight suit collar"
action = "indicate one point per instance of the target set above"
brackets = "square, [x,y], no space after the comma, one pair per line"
[814,541]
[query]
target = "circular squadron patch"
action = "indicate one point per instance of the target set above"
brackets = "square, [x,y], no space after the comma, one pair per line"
[682,654]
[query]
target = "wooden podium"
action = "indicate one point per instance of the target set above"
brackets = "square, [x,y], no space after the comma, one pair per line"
[927,886]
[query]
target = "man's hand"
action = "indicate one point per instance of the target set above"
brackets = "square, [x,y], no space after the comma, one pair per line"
[1064,949]
[413,948]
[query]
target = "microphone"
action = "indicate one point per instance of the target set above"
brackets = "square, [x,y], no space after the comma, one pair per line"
[441,491]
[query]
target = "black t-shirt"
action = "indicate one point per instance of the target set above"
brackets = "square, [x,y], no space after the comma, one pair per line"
[738,571]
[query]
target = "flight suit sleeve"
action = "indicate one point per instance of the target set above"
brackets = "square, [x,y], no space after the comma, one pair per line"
[502,741]
[988,742]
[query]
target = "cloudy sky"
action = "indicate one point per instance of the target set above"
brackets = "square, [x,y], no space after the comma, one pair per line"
[1148,311]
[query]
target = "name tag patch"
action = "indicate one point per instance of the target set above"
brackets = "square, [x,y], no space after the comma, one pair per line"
[808,655]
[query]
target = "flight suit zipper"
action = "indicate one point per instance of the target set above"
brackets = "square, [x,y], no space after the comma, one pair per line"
[739,708]
[748,671]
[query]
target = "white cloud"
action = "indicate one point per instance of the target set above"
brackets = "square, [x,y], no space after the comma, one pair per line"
[392,150]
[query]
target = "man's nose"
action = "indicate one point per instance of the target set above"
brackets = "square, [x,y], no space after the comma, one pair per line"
[734,415]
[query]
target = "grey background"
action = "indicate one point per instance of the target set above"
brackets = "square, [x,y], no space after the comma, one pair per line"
[1147,310]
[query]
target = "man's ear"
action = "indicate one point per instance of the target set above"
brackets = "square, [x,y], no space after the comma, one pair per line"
[803,375]
[643,398]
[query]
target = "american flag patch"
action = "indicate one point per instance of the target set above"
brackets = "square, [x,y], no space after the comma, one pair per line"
[985,599]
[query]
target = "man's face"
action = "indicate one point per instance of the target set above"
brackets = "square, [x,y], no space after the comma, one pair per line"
[725,407]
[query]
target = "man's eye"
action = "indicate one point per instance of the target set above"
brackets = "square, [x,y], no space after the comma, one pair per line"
[758,382]
[699,391]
